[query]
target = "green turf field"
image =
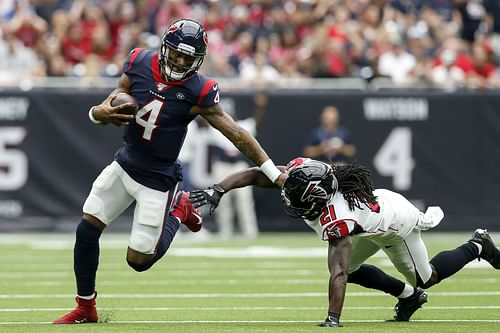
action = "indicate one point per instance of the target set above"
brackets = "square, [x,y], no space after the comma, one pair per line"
[277,283]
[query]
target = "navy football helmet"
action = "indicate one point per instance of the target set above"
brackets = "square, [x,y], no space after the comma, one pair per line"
[183,49]
[309,186]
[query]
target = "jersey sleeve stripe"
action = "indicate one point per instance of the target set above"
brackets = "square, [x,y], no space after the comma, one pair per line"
[134,55]
[206,88]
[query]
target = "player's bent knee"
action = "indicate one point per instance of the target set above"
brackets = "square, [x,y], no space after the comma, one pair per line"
[140,267]
[140,262]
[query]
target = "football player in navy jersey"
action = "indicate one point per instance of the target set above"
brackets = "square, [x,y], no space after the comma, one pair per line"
[340,204]
[170,93]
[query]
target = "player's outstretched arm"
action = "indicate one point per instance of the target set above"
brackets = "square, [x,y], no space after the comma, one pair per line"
[242,139]
[251,176]
[104,113]
[207,200]
[339,252]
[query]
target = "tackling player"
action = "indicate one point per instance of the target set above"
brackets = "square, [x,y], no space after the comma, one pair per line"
[170,93]
[341,205]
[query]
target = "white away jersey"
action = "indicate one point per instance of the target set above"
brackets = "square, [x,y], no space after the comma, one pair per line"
[393,216]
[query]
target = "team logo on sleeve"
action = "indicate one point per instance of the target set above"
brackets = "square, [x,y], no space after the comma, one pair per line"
[160,86]
[334,232]
[314,191]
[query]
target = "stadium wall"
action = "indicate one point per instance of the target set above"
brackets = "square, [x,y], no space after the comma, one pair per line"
[435,148]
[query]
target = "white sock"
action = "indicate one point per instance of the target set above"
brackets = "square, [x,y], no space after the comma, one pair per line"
[479,246]
[87,297]
[407,291]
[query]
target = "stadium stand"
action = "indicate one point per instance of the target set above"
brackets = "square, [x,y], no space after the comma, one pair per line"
[446,44]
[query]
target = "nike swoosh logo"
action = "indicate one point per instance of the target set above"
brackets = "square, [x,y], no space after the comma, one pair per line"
[84,320]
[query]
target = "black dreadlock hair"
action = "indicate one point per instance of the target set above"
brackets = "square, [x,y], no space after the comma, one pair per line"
[355,184]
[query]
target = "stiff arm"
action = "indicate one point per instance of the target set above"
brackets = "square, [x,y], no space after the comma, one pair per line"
[241,138]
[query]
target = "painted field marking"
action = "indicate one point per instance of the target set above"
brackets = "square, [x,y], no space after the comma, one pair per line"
[253,321]
[243,295]
[252,308]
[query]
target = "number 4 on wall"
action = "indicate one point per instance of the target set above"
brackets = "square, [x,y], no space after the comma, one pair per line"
[394,158]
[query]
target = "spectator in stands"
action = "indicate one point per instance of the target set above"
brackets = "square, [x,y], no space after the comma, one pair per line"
[17,61]
[446,73]
[397,63]
[493,24]
[330,142]
[26,24]
[420,46]
[258,73]
[471,14]
[305,39]
[484,73]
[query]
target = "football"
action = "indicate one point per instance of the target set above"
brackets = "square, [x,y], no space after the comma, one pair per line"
[123,98]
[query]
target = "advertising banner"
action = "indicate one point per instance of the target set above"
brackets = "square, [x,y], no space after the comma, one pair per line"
[436,149]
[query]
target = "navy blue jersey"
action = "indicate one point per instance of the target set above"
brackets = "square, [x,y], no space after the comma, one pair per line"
[152,143]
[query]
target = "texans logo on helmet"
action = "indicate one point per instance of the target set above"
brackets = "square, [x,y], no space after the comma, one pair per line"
[205,38]
[313,191]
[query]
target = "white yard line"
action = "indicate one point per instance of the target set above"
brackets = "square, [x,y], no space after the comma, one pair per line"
[252,308]
[173,282]
[254,321]
[245,295]
[183,273]
[215,282]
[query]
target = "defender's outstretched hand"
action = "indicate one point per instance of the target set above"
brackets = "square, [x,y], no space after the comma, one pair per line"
[206,200]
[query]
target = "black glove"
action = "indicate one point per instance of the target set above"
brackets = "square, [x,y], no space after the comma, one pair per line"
[208,197]
[333,320]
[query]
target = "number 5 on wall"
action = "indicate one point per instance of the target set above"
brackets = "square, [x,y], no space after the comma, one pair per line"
[13,162]
[394,158]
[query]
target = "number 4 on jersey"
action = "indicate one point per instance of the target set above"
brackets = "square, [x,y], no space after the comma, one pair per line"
[146,117]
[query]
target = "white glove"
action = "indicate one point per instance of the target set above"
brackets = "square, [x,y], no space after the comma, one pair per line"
[432,217]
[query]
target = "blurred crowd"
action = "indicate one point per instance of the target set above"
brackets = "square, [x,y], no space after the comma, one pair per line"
[450,44]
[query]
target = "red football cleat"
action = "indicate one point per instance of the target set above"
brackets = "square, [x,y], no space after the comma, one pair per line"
[186,213]
[85,312]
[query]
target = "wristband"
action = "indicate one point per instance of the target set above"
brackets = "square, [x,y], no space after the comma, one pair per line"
[219,189]
[91,117]
[270,170]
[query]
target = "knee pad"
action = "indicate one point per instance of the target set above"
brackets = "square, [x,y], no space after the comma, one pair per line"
[142,242]
[94,206]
